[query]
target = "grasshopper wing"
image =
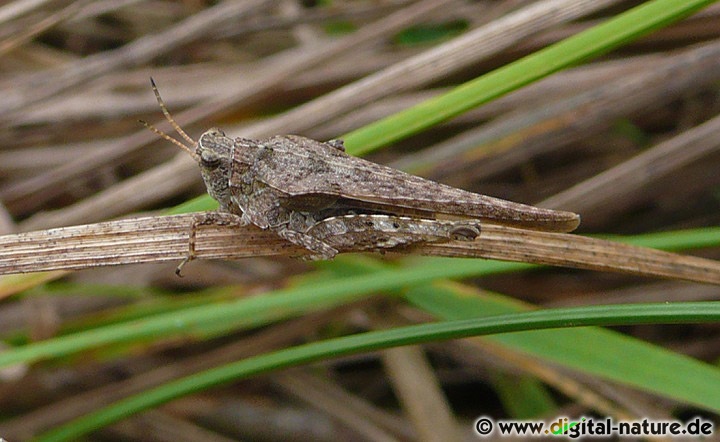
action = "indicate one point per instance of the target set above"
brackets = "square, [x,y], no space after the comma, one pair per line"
[304,168]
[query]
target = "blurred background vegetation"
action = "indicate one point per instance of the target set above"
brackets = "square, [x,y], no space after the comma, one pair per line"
[628,139]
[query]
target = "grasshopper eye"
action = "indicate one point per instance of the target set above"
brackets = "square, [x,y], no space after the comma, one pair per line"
[209,159]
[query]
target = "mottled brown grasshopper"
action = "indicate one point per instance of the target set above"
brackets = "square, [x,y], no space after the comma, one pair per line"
[315,195]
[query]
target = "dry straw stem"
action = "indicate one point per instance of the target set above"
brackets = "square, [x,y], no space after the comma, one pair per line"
[166,238]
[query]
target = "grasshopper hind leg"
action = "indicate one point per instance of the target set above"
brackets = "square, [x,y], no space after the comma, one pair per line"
[318,248]
[375,232]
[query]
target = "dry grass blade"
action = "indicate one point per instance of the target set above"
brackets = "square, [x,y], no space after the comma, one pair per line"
[632,175]
[165,238]
[41,85]
[52,20]
[18,8]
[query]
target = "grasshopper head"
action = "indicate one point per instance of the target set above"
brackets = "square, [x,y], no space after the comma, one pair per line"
[214,154]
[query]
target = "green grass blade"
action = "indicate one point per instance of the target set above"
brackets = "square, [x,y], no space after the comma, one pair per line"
[599,352]
[197,204]
[673,240]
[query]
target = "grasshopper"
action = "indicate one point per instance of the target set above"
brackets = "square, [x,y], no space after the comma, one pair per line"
[317,196]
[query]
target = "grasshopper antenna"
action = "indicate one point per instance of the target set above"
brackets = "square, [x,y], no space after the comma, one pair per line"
[174,124]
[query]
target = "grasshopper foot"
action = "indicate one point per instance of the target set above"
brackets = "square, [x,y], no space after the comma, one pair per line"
[204,219]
